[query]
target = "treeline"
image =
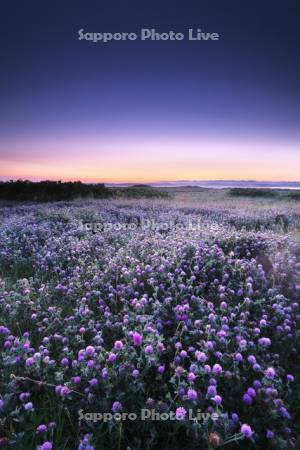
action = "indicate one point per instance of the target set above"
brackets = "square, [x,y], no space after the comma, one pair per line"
[50,191]
[252,192]
[294,195]
[283,194]
[54,191]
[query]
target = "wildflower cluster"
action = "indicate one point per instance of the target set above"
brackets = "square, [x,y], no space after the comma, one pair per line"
[165,319]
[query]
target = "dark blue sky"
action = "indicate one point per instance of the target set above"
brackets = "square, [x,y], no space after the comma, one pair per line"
[93,107]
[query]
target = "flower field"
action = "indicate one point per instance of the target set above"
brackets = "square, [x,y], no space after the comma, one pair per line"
[122,306]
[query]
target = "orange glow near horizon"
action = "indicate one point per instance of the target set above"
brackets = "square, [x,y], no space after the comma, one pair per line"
[141,161]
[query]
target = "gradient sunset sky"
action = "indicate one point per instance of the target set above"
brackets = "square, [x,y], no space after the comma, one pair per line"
[150,111]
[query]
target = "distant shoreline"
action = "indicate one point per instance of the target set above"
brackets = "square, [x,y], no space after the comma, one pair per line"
[218,184]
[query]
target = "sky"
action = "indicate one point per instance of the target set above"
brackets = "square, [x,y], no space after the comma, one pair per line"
[142,111]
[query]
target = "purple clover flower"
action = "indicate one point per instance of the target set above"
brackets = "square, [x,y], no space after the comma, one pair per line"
[89,350]
[270,373]
[41,428]
[116,407]
[46,446]
[118,345]
[217,369]
[137,338]
[180,413]
[192,394]
[246,430]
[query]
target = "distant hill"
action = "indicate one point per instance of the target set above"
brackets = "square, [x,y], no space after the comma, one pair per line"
[219,184]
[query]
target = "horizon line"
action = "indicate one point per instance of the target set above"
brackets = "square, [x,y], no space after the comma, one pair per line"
[87,181]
